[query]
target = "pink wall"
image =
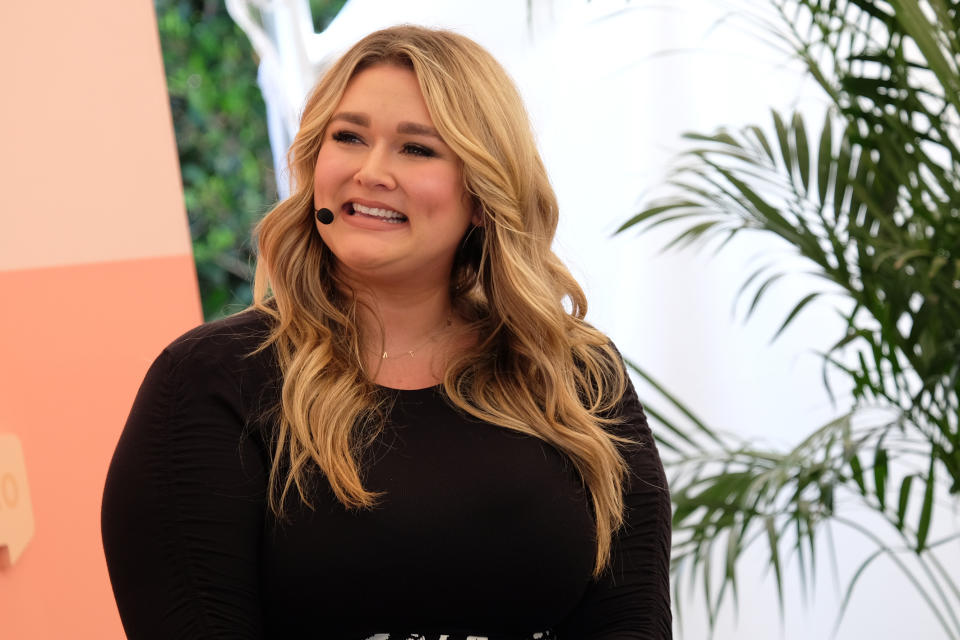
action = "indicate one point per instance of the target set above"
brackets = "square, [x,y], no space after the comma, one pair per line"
[97,276]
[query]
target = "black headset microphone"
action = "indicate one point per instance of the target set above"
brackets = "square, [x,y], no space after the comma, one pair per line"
[324,215]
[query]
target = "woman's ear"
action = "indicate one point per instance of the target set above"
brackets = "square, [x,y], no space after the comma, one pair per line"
[477,218]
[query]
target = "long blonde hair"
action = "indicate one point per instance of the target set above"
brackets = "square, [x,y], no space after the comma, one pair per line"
[536,368]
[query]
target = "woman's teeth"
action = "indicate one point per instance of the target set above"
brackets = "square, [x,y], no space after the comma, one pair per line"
[383,214]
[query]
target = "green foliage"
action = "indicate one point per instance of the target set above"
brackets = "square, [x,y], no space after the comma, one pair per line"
[870,200]
[324,11]
[220,122]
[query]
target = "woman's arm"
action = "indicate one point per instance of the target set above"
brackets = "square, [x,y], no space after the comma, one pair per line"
[631,599]
[183,506]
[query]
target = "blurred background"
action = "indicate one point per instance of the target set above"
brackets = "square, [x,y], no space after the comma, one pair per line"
[221,126]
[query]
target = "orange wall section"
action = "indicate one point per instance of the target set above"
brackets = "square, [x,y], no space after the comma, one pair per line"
[75,347]
[97,277]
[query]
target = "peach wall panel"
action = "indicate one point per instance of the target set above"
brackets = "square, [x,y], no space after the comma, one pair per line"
[89,170]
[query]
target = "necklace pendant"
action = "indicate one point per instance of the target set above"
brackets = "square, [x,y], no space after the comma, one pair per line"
[384,356]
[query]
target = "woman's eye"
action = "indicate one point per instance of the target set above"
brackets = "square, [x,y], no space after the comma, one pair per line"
[346,137]
[418,150]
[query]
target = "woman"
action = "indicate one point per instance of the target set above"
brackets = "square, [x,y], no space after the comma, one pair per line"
[412,433]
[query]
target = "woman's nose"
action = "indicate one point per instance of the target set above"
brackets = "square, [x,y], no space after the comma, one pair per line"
[375,170]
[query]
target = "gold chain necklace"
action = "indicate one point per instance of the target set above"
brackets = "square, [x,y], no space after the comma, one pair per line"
[433,336]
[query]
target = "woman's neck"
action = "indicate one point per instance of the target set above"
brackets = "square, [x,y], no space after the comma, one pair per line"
[407,335]
[396,321]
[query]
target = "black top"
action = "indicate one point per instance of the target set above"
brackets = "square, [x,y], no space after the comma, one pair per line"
[481,531]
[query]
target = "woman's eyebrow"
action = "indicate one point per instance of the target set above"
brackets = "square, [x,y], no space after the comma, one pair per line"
[413,128]
[410,128]
[358,119]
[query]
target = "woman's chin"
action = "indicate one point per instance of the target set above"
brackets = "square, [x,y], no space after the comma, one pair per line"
[363,265]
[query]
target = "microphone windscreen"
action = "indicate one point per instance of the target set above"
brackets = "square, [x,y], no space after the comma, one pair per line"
[324,216]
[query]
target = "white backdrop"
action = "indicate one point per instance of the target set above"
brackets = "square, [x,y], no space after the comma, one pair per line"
[610,86]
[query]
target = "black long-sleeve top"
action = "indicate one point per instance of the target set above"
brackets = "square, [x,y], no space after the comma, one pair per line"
[480,532]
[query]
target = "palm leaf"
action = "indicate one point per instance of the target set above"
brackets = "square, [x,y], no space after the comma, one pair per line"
[874,212]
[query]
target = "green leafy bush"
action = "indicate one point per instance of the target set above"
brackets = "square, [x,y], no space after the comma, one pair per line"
[220,122]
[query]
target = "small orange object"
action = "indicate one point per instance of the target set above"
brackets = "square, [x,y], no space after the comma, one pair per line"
[16,512]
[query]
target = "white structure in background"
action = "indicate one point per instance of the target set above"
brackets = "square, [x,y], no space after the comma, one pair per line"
[611,85]
[280,31]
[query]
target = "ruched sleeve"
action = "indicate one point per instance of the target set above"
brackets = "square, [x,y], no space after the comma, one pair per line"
[631,599]
[183,505]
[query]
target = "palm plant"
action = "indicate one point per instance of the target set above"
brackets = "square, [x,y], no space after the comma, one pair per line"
[871,200]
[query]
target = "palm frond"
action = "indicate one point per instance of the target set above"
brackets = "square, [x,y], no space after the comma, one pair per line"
[871,200]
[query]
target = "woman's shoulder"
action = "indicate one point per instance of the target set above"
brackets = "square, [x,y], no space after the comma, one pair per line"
[220,363]
[231,341]
[627,412]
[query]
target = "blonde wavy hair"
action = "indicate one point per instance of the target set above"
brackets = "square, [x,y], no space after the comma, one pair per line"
[536,367]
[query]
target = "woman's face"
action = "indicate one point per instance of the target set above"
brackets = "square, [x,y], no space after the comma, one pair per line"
[395,187]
